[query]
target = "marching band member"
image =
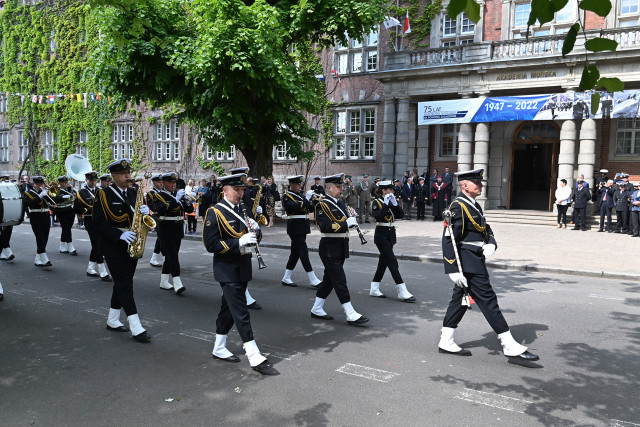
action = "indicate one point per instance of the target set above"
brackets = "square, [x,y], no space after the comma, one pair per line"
[385,211]
[157,259]
[83,205]
[64,213]
[39,218]
[297,207]
[334,223]
[5,238]
[170,207]
[228,234]
[105,180]
[112,216]
[474,241]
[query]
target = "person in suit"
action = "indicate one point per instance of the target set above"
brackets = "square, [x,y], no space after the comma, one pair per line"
[621,198]
[364,194]
[580,198]
[333,221]
[447,178]
[422,197]
[229,232]
[385,210]
[157,259]
[408,193]
[474,241]
[25,184]
[297,207]
[113,214]
[37,200]
[606,204]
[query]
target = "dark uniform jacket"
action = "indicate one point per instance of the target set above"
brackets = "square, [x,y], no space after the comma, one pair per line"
[112,216]
[165,205]
[581,197]
[85,198]
[422,193]
[296,204]
[331,219]
[622,198]
[468,225]
[221,235]
[383,212]
[33,201]
[318,189]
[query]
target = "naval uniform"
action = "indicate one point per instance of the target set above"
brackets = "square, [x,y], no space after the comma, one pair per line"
[385,237]
[223,226]
[170,228]
[471,231]
[66,216]
[39,218]
[150,203]
[5,246]
[297,208]
[83,205]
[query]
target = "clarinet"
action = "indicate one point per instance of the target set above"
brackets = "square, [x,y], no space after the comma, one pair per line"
[352,213]
[261,263]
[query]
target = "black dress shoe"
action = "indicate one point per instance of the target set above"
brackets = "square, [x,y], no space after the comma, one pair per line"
[617,231]
[410,299]
[361,321]
[121,328]
[12,256]
[291,285]
[325,317]
[601,231]
[74,253]
[48,264]
[575,228]
[106,278]
[255,306]
[181,290]
[93,274]
[316,286]
[143,337]
[529,357]
[265,368]
[231,359]
[1,297]
[462,352]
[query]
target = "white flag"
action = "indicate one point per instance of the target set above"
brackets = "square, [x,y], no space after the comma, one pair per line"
[390,21]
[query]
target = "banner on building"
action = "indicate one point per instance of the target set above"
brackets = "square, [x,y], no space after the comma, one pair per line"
[559,106]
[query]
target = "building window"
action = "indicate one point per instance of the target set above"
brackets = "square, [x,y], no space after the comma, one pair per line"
[4,147]
[226,156]
[457,32]
[628,7]
[48,149]
[354,139]
[447,140]
[561,23]
[521,16]
[628,137]
[121,141]
[357,56]
[167,141]
[280,153]
[208,153]
[628,16]
[81,145]
[4,103]
[52,41]
[23,146]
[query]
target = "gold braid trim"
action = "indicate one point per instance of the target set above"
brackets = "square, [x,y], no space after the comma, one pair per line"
[294,200]
[82,200]
[105,207]
[28,193]
[222,221]
[327,211]
[465,210]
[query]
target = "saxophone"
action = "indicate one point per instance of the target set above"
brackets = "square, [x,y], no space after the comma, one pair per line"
[260,218]
[141,223]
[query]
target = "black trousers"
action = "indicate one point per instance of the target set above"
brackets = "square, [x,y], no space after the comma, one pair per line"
[580,217]
[157,248]
[170,246]
[635,221]
[334,277]
[562,214]
[420,213]
[192,221]
[386,260]
[122,269]
[5,236]
[234,311]
[605,211]
[66,218]
[95,238]
[486,300]
[622,220]
[40,224]
[299,251]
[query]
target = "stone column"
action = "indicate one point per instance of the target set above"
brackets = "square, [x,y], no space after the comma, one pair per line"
[567,155]
[465,139]
[402,138]
[481,158]
[388,137]
[587,154]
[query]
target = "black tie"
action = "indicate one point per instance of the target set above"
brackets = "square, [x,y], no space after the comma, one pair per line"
[124,195]
[236,209]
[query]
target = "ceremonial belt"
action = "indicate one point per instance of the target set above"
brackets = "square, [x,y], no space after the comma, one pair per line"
[298,217]
[386,224]
[245,250]
[63,207]
[171,218]
[38,210]
[123,229]
[86,215]
[342,235]
[474,245]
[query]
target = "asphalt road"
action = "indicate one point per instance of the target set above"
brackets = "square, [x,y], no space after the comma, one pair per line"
[59,366]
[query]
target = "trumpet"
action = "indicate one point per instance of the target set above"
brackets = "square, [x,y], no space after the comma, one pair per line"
[53,190]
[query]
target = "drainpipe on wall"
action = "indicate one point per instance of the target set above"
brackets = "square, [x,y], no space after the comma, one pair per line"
[395,134]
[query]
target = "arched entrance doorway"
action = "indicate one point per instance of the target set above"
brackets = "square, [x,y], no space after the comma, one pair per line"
[534,166]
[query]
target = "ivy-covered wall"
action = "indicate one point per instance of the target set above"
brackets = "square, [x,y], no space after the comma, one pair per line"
[44,52]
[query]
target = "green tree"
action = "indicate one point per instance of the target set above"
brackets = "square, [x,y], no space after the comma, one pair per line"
[242,71]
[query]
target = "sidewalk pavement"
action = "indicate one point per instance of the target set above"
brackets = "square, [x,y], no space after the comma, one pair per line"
[520,247]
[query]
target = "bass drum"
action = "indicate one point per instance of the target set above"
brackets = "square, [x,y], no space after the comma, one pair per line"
[11,204]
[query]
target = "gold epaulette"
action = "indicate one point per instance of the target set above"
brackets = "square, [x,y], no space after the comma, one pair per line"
[222,222]
[327,210]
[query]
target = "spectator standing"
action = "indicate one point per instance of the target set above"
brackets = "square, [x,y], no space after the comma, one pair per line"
[408,193]
[364,193]
[635,212]
[580,198]
[422,196]
[447,178]
[606,204]
[621,198]
[203,192]
[432,179]
[272,196]
[563,200]
[440,195]
[349,193]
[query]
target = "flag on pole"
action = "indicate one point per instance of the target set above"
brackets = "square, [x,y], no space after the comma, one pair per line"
[407,27]
[335,73]
[390,21]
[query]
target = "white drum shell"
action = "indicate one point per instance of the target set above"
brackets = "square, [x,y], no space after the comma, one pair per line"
[12,209]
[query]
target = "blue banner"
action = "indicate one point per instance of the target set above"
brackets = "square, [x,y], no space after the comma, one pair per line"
[509,108]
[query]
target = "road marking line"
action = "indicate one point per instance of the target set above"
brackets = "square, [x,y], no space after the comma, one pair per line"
[606,297]
[493,400]
[15,292]
[99,312]
[368,373]
[199,334]
[544,291]
[150,323]
[619,423]
[277,352]
[56,299]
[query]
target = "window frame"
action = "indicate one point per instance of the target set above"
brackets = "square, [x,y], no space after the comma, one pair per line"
[5,149]
[344,57]
[439,156]
[451,32]
[357,140]
[616,129]
[166,142]
[555,27]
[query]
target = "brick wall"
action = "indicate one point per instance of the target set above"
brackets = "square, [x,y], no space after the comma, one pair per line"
[593,21]
[492,20]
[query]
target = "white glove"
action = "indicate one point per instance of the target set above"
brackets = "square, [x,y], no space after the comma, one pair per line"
[458,279]
[309,194]
[248,239]
[144,209]
[387,198]
[179,194]
[259,209]
[253,224]
[66,196]
[43,193]
[488,249]
[128,236]
[351,222]
[394,202]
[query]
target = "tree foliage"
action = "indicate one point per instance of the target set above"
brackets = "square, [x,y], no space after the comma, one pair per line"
[242,71]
